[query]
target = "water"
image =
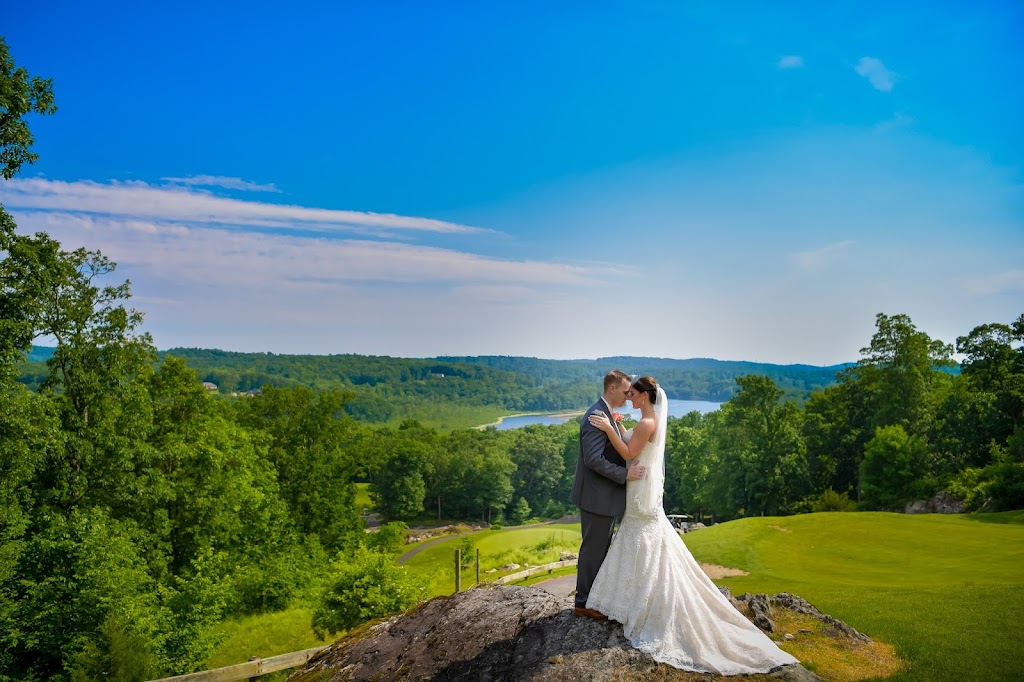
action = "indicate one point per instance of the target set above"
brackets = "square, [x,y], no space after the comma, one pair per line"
[676,408]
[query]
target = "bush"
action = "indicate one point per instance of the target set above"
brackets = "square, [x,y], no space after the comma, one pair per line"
[360,588]
[997,487]
[827,501]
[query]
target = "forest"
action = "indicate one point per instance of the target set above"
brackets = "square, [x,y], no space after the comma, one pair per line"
[138,509]
[388,390]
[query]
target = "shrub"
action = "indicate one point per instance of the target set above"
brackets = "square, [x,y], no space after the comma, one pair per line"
[830,500]
[362,587]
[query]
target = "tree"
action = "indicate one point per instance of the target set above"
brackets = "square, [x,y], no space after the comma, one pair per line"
[362,587]
[536,451]
[20,94]
[900,367]
[895,469]
[311,448]
[761,443]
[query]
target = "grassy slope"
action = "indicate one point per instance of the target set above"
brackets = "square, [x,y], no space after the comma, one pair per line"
[535,545]
[946,590]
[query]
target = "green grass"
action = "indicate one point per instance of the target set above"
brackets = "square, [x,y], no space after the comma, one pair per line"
[263,635]
[947,591]
[536,546]
[363,500]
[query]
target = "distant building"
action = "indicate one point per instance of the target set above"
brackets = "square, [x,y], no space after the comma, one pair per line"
[210,386]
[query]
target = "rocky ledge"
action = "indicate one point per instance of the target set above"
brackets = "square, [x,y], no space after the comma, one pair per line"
[521,633]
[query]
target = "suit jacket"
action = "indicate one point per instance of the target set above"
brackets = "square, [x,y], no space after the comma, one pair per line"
[600,485]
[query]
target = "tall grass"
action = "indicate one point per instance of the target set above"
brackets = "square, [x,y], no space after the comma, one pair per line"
[263,635]
[947,591]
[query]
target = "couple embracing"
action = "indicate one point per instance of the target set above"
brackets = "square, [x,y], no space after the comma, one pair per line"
[645,577]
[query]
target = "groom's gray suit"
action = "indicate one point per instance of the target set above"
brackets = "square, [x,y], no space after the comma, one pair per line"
[600,492]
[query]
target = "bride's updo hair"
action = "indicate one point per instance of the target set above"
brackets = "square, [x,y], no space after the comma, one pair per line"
[648,385]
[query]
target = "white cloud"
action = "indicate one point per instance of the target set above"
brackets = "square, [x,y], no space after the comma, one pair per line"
[790,61]
[172,252]
[877,74]
[145,201]
[817,259]
[225,182]
[1009,282]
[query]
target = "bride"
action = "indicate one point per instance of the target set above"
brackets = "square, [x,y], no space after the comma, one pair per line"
[651,583]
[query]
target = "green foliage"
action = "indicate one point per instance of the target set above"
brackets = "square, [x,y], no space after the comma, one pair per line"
[361,587]
[20,94]
[894,470]
[831,501]
[521,511]
[120,653]
[310,437]
[388,539]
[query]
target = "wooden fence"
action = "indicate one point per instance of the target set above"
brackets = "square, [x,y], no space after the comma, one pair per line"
[250,669]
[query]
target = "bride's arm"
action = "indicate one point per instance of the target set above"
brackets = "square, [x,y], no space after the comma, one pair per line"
[629,448]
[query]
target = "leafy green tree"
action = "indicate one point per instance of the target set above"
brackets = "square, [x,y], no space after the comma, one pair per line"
[398,485]
[536,452]
[895,469]
[20,95]
[760,442]
[312,449]
[521,511]
[899,366]
[688,455]
[361,587]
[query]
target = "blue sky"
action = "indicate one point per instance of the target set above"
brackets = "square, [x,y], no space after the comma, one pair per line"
[561,180]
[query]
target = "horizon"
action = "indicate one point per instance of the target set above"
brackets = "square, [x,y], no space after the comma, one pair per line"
[562,182]
[525,357]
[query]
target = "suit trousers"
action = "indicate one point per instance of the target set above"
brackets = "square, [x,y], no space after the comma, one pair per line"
[597,536]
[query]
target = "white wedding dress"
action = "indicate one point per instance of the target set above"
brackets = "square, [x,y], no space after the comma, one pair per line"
[667,605]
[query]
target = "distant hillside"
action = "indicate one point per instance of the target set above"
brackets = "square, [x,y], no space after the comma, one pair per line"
[389,389]
[40,354]
[691,379]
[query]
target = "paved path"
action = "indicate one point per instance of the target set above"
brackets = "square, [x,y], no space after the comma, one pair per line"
[561,586]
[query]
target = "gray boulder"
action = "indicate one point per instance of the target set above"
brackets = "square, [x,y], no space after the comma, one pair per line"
[498,633]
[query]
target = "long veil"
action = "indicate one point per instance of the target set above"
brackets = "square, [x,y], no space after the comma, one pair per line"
[649,491]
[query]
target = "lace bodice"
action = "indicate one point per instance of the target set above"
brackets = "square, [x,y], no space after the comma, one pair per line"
[649,458]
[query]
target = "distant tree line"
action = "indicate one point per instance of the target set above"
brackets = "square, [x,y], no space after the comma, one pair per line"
[390,390]
[897,427]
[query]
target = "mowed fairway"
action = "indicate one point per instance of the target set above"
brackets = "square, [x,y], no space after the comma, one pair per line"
[947,591]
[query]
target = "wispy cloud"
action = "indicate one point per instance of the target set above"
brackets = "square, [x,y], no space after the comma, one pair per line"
[141,200]
[225,182]
[817,259]
[876,72]
[790,61]
[1009,282]
[174,252]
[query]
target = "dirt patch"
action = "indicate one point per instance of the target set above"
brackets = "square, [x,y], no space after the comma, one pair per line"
[781,529]
[715,571]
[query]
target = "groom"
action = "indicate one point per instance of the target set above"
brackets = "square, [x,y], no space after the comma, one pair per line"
[599,489]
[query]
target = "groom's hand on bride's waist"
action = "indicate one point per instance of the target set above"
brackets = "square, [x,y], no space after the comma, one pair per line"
[636,472]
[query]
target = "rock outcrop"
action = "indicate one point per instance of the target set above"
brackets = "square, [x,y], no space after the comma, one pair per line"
[942,503]
[503,633]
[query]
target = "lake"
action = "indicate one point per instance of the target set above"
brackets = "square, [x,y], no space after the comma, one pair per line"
[676,408]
